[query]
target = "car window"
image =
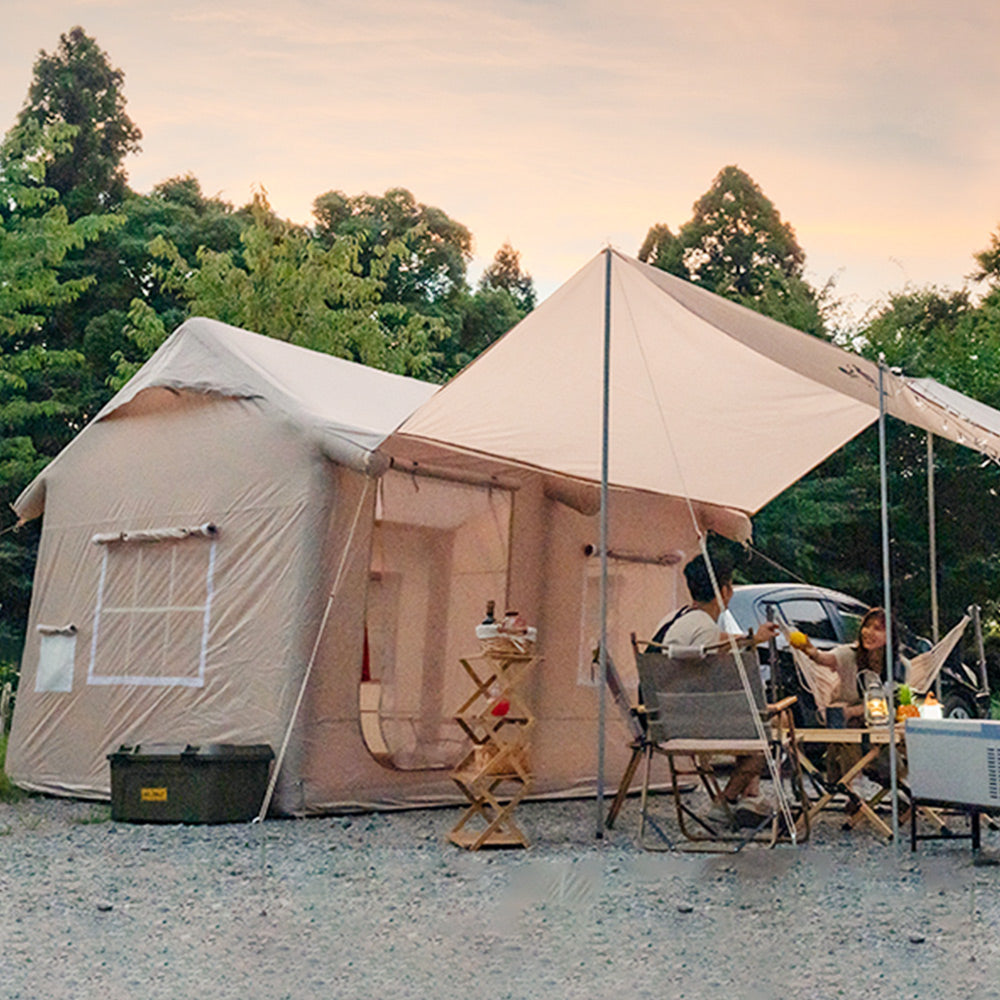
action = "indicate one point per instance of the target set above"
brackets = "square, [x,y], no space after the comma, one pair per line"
[851,615]
[809,617]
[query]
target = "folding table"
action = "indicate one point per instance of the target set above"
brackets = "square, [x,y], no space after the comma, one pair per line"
[870,741]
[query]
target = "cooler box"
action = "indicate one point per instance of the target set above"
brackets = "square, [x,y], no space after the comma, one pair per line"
[180,783]
[954,760]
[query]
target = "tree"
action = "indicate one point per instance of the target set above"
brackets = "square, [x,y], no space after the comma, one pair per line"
[416,251]
[292,288]
[989,261]
[40,406]
[737,245]
[505,272]
[126,269]
[664,250]
[475,322]
[76,85]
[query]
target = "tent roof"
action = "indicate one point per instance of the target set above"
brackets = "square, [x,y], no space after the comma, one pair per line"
[708,399]
[346,408]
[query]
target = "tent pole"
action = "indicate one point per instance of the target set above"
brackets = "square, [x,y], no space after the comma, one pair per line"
[603,654]
[887,600]
[932,551]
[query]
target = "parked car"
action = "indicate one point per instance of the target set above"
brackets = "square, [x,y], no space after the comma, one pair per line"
[830,618]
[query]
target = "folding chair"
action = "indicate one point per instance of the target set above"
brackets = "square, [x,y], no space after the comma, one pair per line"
[696,706]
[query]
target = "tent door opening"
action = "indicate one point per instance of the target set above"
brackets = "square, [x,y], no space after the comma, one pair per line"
[440,551]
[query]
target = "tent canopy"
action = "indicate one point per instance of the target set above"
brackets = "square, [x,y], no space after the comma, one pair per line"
[346,409]
[696,380]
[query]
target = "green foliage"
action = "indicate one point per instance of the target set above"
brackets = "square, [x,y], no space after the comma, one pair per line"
[9,792]
[827,526]
[989,261]
[35,232]
[39,383]
[143,332]
[418,254]
[77,86]
[475,322]
[737,245]
[663,249]
[733,242]
[126,269]
[290,287]
[505,273]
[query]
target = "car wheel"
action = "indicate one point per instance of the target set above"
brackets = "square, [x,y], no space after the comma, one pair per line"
[959,706]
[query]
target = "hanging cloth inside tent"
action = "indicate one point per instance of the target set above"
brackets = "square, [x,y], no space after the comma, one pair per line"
[922,670]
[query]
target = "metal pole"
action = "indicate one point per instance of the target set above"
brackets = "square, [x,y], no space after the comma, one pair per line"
[932,553]
[772,654]
[887,591]
[603,654]
[984,678]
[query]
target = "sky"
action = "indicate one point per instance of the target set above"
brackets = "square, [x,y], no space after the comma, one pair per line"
[564,125]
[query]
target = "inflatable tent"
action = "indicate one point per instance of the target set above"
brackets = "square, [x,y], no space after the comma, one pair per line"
[194,532]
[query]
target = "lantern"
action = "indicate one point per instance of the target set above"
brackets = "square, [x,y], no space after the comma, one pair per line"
[876,700]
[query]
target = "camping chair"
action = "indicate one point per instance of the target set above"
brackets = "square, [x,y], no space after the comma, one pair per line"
[696,706]
[922,670]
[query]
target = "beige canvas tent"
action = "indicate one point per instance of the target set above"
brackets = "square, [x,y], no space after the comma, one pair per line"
[188,541]
[491,494]
[707,401]
[193,532]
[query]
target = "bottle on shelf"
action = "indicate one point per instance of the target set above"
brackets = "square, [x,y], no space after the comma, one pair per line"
[489,619]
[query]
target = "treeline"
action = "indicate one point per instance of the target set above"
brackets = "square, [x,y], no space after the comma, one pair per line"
[93,277]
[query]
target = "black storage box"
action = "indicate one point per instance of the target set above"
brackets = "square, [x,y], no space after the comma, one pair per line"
[178,783]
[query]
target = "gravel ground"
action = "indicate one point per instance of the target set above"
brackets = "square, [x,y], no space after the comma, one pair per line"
[381,905]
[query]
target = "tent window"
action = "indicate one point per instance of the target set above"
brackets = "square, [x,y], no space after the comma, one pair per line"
[56,654]
[631,586]
[440,552]
[153,612]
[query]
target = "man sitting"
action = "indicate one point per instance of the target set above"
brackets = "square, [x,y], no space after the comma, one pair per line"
[696,624]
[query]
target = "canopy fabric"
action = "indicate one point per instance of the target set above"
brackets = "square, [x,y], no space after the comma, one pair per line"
[709,400]
[346,409]
[950,414]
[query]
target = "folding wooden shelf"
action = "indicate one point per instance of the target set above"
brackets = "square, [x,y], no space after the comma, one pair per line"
[495,774]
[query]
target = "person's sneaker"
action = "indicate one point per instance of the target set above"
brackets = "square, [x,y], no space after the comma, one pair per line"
[752,812]
[720,814]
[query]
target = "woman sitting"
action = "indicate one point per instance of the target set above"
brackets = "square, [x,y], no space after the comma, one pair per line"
[848,660]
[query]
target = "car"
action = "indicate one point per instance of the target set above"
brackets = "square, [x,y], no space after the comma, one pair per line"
[831,618]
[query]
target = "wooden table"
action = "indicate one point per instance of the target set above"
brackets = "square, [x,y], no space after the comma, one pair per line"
[871,741]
